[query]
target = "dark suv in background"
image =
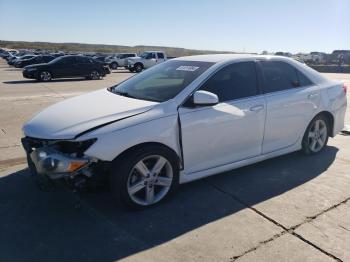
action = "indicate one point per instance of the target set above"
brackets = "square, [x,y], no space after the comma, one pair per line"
[65,67]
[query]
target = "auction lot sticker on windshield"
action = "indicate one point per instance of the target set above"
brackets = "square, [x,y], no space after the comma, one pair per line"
[187,68]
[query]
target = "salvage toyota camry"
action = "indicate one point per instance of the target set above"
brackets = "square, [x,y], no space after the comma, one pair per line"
[185,119]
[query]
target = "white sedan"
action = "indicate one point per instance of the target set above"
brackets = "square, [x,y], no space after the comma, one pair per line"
[185,119]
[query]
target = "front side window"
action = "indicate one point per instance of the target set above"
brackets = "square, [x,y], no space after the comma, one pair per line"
[162,82]
[233,82]
[63,60]
[278,76]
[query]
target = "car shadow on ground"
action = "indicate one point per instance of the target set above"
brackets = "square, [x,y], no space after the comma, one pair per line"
[121,71]
[13,69]
[14,82]
[45,226]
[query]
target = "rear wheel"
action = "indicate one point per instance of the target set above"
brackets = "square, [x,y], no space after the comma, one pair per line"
[144,177]
[316,135]
[94,75]
[45,76]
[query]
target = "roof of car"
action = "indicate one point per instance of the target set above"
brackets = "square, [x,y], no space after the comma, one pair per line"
[218,58]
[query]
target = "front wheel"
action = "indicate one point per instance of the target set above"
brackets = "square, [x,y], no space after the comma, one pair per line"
[316,135]
[144,177]
[45,76]
[114,65]
[138,68]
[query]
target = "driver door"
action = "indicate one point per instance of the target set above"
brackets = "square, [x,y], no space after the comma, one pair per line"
[150,60]
[229,131]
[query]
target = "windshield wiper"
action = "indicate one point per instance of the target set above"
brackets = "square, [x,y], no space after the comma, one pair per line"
[121,93]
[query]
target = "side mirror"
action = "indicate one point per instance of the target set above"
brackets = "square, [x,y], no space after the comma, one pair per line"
[205,98]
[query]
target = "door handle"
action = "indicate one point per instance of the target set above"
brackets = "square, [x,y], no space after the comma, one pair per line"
[312,96]
[257,108]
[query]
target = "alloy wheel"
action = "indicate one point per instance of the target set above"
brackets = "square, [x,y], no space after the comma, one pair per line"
[94,75]
[150,180]
[45,76]
[317,136]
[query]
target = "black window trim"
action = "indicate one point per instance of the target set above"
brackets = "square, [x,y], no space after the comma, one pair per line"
[262,78]
[258,80]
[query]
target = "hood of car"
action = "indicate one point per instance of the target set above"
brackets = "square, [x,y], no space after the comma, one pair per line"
[69,118]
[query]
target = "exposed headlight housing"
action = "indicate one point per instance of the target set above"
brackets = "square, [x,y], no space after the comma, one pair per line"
[58,158]
[55,164]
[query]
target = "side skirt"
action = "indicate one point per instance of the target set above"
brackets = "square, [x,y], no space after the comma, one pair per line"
[185,178]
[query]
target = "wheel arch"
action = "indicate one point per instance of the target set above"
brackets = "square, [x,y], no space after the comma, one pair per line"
[330,118]
[139,63]
[124,154]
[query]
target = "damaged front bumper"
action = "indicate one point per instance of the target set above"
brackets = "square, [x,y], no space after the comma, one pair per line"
[46,158]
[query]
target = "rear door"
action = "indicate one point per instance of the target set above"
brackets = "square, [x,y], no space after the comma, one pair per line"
[83,67]
[291,99]
[227,132]
[64,67]
[150,60]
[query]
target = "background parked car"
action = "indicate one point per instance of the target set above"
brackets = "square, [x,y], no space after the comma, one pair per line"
[34,60]
[66,66]
[145,60]
[119,60]
[15,59]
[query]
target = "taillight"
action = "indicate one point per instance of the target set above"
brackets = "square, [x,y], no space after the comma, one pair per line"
[345,88]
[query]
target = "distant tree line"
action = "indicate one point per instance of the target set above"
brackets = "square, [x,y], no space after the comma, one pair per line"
[100,48]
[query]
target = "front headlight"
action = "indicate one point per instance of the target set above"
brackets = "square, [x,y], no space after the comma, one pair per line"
[53,163]
[57,158]
[31,69]
[77,147]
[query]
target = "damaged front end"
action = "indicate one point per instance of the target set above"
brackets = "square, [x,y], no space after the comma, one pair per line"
[61,159]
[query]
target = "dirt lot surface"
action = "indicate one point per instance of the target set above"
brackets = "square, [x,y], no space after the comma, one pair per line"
[291,208]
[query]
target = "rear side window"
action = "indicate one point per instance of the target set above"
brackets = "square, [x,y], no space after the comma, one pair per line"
[278,76]
[235,81]
[160,55]
[82,60]
[303,80]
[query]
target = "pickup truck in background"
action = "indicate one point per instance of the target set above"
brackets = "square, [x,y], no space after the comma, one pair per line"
[145,60]
[118,60]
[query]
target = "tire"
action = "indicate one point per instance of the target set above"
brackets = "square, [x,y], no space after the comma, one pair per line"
[114,65]
[45,76]
[138,67]
[135,186]
[316,135]
[94,75]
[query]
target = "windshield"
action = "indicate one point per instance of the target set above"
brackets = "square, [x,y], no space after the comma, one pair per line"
[162,82]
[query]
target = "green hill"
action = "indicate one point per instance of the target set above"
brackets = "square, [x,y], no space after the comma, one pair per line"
[101,48]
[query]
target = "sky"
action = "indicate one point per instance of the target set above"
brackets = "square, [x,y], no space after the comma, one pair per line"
[224,25]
